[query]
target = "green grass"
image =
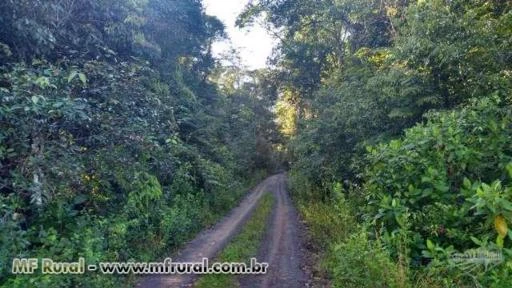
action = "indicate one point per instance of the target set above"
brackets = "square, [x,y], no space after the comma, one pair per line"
[244,246]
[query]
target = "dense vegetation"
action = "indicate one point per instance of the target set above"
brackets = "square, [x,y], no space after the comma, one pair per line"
[121,136]
[115,142]
[399,134]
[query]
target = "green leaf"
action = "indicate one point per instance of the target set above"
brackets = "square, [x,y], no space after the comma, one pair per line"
[58,104]
[83,78]
[476,240]
[499,241]
[42,82]
[72,75]
[505,204]
[441,187]
[509,169]
[466,183]
[430,245]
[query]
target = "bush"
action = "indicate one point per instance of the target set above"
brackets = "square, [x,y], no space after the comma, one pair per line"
[360,262]
[328,222]
[347,255]
[445,184]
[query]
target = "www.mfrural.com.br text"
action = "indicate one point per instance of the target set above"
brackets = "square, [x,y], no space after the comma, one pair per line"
[167,266]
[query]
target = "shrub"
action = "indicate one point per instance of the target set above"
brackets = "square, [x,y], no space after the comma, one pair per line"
[360,262]
[444,184]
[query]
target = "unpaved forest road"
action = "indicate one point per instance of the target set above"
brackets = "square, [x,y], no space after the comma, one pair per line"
[281,247]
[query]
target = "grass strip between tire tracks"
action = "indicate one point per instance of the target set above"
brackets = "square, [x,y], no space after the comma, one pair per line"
[243,246]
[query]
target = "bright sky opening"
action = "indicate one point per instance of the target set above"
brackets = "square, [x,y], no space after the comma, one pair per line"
[254,44]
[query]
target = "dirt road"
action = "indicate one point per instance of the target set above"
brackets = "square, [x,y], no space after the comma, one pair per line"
[281,247]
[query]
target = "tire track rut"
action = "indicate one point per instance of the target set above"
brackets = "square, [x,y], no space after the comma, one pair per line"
[282,246]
